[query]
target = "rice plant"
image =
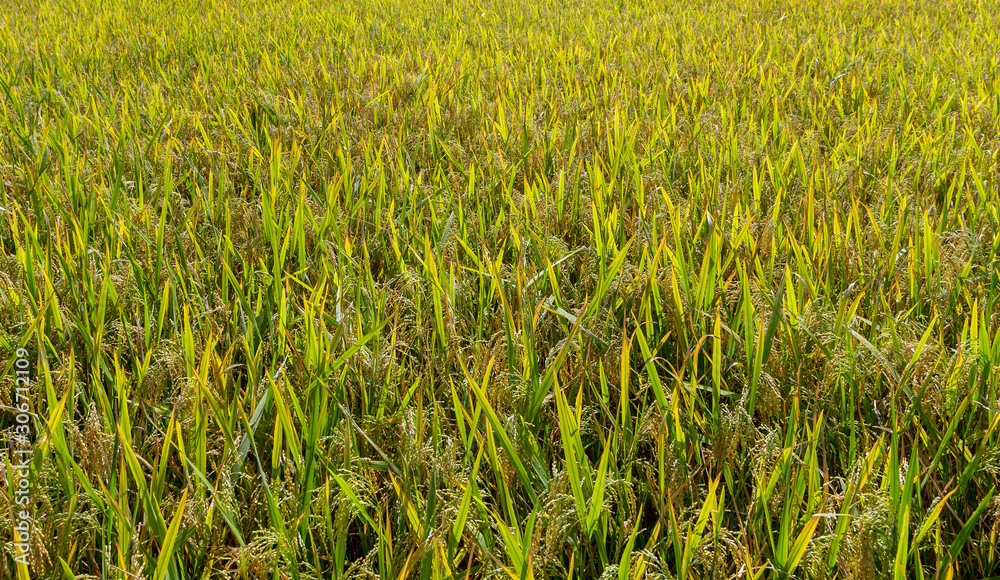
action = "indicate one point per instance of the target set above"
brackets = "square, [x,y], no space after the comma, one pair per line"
[468,289]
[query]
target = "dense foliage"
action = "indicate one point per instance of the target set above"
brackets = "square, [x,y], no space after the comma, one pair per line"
[425,289]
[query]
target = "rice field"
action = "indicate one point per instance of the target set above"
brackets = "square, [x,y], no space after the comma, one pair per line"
[470,289]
